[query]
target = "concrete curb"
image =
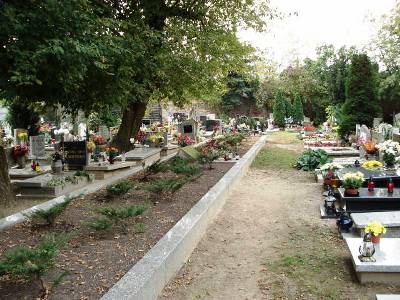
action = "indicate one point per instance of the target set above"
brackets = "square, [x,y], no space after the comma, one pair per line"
[20,217]
[147,278]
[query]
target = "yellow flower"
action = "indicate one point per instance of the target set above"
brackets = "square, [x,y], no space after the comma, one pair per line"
[376,228]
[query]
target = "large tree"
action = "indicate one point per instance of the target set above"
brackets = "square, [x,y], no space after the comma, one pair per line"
[361,105]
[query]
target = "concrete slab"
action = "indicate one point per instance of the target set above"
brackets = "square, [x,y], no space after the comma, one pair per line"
[106,170]
[390,219]
[387,297]
[27,173]
[144,156]
[169,149]
[339,151]
[386,269]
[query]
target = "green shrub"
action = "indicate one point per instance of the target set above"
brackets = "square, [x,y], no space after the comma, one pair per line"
[166,185]
[208,156]
[140,228]
[157,167]
[182,166]
[50,215]
[120,188]
[312,159]
[32,263]
[112,216]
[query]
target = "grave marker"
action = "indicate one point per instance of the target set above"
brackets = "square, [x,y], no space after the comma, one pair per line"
[77,155]
[188,128]
[37,149]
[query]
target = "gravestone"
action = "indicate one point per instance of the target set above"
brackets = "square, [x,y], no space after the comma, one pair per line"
[212,124]
[37,147]
[189,128]
[306,120]
[82,130]
[396,120]
[386,130]
[189,152]
[104,132]
[77,155]
[376,122]
[358,131]
[365,133]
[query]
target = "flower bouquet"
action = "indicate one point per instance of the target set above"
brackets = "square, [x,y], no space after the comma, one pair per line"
[352,182]
[390,150]
[328,171]
[156,139]
[112,152]
[22,137]
[185,140]
[141,136]
[19,154]
[376,229]
[372,165]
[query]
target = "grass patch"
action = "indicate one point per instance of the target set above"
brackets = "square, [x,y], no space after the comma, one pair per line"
[283,137]
[311,262]
[275,158]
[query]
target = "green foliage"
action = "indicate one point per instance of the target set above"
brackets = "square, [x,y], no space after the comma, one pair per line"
[164,185]
[32,263]
[182,166]
[298,115]
[157,167]
[312,159]
[100,224]
[361,105]
[51,214]
[20,115]
[279,110]
[208,156]
[288,107]
[233,139]
[119,188]
[140,227]
[241,91]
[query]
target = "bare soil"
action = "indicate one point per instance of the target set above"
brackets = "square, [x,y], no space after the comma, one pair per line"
[96,261]
[270,243]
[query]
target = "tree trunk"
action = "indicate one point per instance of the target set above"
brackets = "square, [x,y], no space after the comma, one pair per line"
[130,125]
[6,191]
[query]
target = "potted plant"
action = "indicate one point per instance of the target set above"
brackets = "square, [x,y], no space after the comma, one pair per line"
[328,172]
[352,182]
[376,229]
[19,153]
[390,151]
[156,139]
[112,152]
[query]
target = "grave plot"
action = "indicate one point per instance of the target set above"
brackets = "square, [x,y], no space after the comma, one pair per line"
[105,233]
[49,186]
[103,170]
[389,219]
[144,156]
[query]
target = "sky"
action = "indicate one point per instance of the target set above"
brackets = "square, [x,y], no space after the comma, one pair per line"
[317,22]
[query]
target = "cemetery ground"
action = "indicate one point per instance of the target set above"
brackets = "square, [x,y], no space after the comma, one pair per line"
[269,242]
[102,235]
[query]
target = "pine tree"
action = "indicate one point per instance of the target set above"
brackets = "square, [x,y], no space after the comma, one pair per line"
[279,110]
[361,105]
[298,114]
[288,107]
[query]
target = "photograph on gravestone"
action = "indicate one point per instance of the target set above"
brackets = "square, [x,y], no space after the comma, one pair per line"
[146,122]
[76,154]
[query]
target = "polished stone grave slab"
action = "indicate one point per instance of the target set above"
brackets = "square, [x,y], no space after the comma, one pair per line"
[27,172]
[104,170]
[339,151]
[380,176]
[377,200]
[144,155]
[390,219]
[385,270]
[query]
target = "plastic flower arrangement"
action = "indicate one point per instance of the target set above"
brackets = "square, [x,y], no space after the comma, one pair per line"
[91,146]
[331,166]
[99,140]
[44,128]
[353,180]
[22,136]
[372,165]
[19,151]
[112,151]
[390,151]
[309,128]
[375,228]
[185,140]
[141,136]
[370,147]
[156,138]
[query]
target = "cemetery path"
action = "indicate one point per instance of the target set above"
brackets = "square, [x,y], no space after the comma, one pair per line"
[269,242]
[260,214]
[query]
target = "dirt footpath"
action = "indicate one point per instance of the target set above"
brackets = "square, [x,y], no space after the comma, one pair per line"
[259,214]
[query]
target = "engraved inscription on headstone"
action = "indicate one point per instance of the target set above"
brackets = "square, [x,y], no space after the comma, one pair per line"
[37,146]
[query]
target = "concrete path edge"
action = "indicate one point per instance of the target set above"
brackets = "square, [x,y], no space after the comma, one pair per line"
[147,278]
